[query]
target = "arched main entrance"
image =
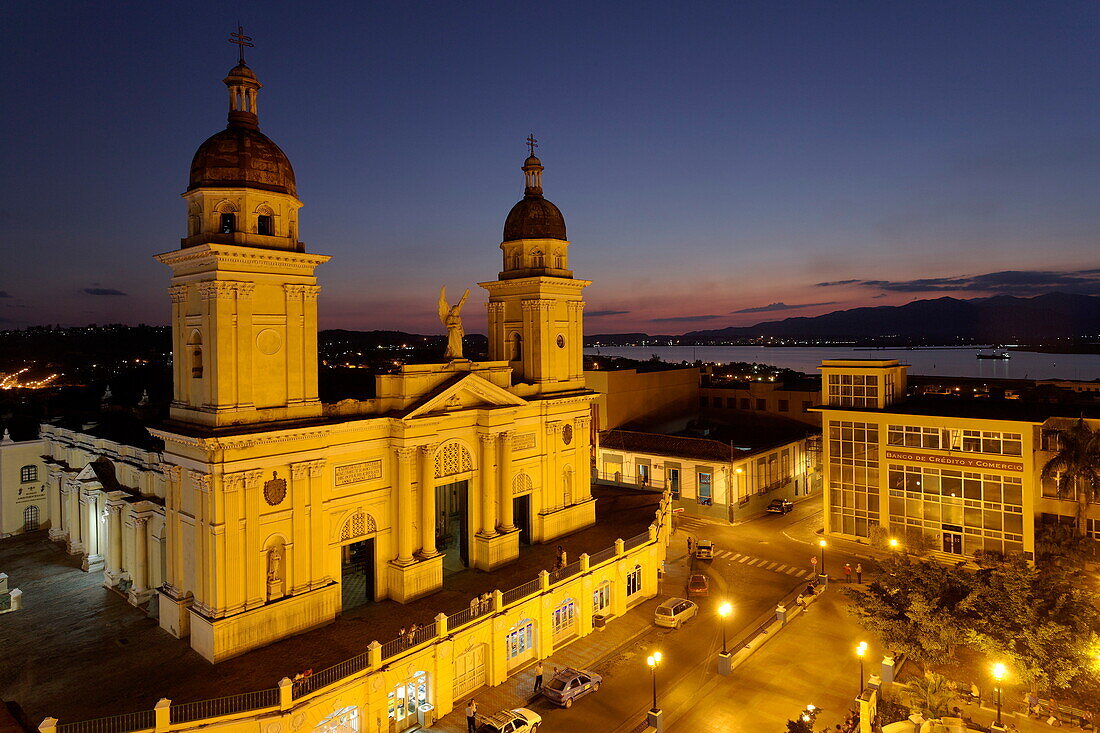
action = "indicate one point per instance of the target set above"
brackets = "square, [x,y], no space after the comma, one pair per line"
[357,560]
[454,465]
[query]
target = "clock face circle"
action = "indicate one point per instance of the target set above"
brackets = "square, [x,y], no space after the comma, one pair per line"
[567,434]
[561,341]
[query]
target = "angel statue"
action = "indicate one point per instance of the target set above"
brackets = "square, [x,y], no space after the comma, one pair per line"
[449,317]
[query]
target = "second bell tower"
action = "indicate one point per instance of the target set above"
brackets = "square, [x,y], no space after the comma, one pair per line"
[536,306]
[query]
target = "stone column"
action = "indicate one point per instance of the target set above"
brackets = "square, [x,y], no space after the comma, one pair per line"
[551,484]
[507,520]
[498,348]
[74,518]
[582,474]
[309,368]
[487,485]
[406,513]
[57,504]
[427,499]
[140,575]
[244,338]
[114,543]
[172,539]
[181,360]
[293,351]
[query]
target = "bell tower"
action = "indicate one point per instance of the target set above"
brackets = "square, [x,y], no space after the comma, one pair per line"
[536,306]
[244,294]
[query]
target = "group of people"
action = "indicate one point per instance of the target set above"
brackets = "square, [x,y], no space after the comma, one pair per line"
[409,635]
[561,559]
[848,572]
[481,604]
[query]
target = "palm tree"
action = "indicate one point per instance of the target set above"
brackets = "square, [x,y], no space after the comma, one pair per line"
[1076,467]
[931,694]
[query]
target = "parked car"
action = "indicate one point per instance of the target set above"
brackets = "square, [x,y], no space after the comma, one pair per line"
[698,585]
[780,506]
[704,550]
[569,684]
[675,612]
[519,720]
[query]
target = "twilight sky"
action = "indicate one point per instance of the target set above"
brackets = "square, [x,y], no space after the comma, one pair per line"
[717,163]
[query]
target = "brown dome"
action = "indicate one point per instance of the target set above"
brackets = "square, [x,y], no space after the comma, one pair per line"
[242,157]
[534,218]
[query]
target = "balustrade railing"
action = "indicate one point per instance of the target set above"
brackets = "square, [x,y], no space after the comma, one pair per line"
[527,589]
[186,712]
[141,720]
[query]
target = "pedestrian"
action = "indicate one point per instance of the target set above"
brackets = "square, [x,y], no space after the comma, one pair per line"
[475,604]
[847,573]
[538,675]
[564,558]
[859,573]
[691,545]
[975,693]
[471,717]
[486,602]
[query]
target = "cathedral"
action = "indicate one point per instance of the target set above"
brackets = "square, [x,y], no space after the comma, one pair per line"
[268,512]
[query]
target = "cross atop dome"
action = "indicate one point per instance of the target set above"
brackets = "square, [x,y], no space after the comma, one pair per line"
[532,143]
[241,40]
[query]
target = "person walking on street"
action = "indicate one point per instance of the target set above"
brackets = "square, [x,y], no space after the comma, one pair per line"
[538,675]
[847,573]
[471,717]
[859,573]
[691,545]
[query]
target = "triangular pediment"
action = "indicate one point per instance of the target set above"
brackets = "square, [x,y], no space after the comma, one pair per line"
[469,392]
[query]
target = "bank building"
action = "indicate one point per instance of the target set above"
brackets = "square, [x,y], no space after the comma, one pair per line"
[266,512]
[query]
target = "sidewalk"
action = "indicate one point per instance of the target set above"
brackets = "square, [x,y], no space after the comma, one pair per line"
[598,651]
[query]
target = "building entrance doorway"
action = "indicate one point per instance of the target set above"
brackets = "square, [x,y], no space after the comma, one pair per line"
[953,543]
[521,511]
[452,525]
[405,700]
[357,573]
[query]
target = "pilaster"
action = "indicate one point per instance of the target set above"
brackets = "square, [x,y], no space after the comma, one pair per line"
[427,500]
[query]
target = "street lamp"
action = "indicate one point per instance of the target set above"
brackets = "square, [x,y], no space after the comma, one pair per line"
[894,544]
[724,611]
[653,660]
[821,544]
[999,672]
[860,651]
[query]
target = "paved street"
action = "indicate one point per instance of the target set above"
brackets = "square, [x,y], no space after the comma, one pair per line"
[756,563]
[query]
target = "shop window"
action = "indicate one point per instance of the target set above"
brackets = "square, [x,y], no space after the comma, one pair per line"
[520,638]
[634,581]
[601,597]
[564,618]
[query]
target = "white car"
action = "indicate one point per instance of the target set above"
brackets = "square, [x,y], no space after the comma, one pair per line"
[518,720]
[674,612]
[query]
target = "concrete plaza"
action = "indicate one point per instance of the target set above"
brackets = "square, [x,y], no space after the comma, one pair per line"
[78,651]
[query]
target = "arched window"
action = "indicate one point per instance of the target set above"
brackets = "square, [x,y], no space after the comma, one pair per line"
[30,518]
[227,223]
[520,639]
[558,261]
[194,350]
[28,473]
[265,225]
[565,618]
[537,258]
[517,261]
[517,347]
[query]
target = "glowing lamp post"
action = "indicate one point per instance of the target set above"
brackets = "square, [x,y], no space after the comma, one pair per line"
[821,562]
[999,672]
[894,544]
[653,661]
[860,651]
[725,665]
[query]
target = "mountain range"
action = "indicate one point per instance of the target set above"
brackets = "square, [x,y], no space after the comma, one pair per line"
[997,319]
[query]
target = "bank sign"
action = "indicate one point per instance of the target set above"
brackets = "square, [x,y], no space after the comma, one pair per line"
[955,461]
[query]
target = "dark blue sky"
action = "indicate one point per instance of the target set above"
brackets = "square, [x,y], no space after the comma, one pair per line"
[709,158]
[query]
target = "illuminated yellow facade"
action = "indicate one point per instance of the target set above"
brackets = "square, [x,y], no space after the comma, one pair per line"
[281,511]
[956,476]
